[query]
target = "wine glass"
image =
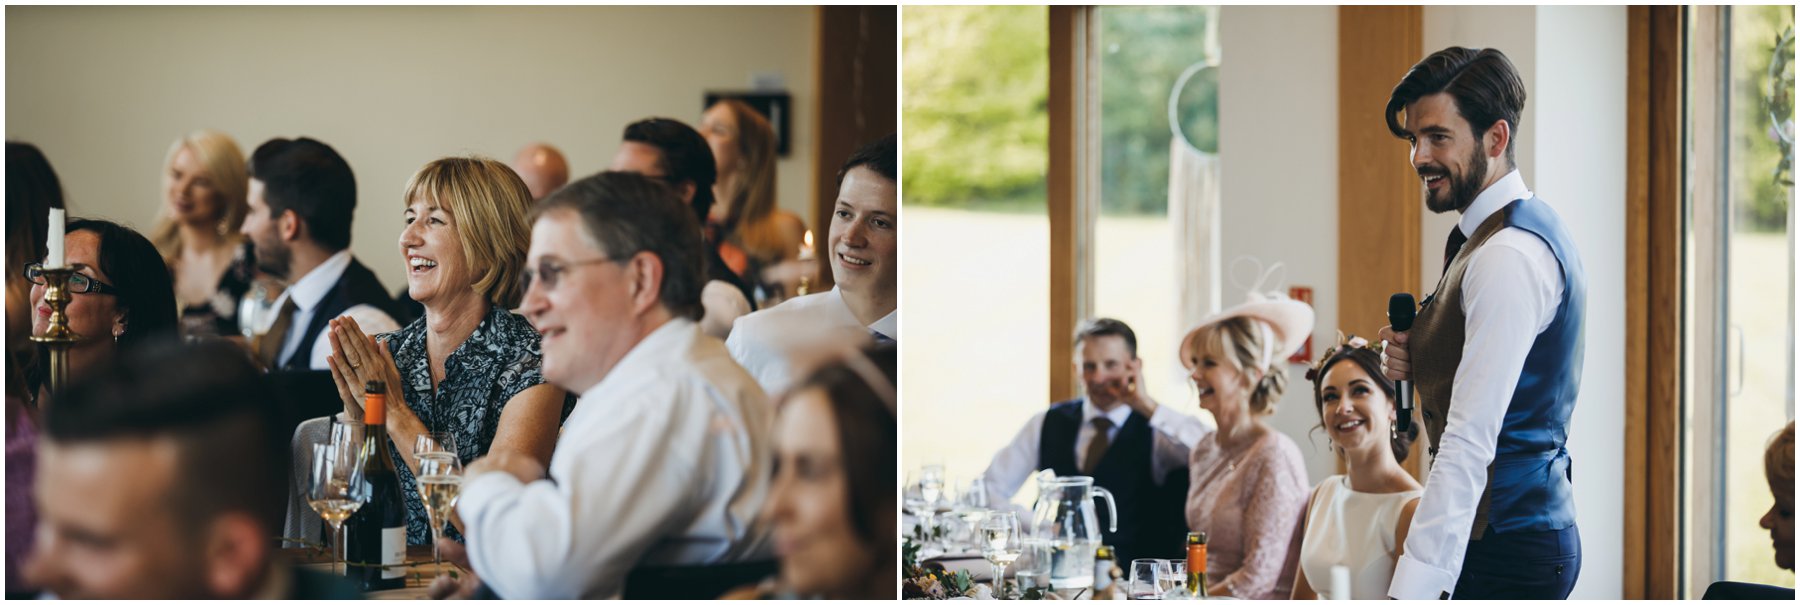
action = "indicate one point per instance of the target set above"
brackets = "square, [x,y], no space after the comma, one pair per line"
[931,490]
[1147,578]
[1000,545]
[336,490]
[442,441]
[972,504]
[256,312]
[440,483]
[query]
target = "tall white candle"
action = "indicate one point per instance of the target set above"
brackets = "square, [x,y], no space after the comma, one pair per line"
[56,239]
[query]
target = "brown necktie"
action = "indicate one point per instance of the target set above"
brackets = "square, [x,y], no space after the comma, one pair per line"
[269,347]
[1096,446]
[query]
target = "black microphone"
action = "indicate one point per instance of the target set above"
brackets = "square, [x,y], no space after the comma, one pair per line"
[1401,311]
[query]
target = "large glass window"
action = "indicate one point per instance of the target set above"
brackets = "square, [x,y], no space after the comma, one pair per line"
[1759,327]
[974,100]
[1157,230]
[1738,353]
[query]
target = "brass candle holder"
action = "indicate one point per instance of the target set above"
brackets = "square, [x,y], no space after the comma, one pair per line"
[58,337]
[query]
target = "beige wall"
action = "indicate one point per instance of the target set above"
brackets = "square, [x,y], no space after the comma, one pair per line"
[103,91]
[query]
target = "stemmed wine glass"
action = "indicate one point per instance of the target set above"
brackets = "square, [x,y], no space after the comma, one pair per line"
[972,504]
[336,490]
[1001,545]
[440,483]
[931,491]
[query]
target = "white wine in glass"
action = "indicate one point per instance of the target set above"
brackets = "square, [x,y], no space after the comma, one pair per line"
[440,483]
[1000,544]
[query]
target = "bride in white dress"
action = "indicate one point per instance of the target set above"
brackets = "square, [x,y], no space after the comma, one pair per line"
[1358,519]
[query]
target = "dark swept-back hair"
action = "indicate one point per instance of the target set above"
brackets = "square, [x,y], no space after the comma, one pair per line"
[1483,82]
[625,213]
[146,290]
[207,399]
[685,156]
[1107,326]
[1370,362]
[311,179]
[867,437]
[881,156]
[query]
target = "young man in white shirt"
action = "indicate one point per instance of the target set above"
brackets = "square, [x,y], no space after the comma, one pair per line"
[1495,352]
[666,460]
[1117,434]
[863,249]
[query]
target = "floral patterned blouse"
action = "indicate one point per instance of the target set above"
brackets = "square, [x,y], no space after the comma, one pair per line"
[500,359]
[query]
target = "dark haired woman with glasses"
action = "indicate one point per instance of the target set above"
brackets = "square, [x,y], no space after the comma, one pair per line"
[121,295]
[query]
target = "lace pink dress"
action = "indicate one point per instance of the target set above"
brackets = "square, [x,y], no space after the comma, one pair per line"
[1248,501]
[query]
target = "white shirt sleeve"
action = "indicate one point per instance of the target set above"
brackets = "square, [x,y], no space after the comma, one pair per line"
[578,535]
[1173,435]
[1511,291]
[370,319]
[1007,472]
[749,346]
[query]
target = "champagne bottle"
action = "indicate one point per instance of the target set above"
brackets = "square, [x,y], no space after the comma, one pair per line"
[376,534]
[1196,563]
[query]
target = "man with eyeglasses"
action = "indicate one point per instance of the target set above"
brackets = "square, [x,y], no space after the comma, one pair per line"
[666,461]
[674,153]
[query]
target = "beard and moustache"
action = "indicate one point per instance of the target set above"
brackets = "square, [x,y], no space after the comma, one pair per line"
[1463,188]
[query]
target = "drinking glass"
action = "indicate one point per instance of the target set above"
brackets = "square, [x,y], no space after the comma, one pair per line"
[256,313]
[1176,582]
[440,483]
[972,504]
[931,490]
[442,441]
[336,489]
[1147,578]
[1000,545]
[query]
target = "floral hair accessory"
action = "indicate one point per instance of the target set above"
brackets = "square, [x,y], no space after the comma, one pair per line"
[1316,373]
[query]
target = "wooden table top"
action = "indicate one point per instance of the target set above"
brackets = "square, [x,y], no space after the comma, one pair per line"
[420,570]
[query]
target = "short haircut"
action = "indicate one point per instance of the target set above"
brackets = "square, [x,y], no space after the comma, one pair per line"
[1778,459]
[489,203]
[866,433]
[146,290]
[211,403]
[624,213]
[1106,326]
[686,158]
[311,179]
[1483,82]
[881,156]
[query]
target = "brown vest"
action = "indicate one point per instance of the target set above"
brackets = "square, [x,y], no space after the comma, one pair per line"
[1436,347]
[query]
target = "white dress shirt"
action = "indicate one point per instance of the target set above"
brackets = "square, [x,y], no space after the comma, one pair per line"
[666,462]
[1173,435]
[1511,290]
[306,293]
[763,341]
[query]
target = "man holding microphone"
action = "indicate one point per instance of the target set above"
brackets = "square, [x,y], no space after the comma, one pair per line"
[1496,350]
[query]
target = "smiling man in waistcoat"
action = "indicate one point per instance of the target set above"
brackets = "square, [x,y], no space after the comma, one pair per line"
[1118,435]
[1496,350]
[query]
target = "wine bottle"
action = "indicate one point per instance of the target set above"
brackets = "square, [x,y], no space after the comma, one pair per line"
[376,534]
[1196,563]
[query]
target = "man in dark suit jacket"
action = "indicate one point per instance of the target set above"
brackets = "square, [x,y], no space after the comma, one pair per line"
[168,466]
[1116,434]
[302,198]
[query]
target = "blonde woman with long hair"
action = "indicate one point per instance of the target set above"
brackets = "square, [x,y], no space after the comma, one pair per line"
[751,231]
[204,183]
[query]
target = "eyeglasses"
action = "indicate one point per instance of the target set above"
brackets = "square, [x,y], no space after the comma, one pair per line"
[78,283]
[550,272]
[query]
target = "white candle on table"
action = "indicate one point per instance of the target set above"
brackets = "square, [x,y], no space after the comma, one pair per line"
[56,239]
